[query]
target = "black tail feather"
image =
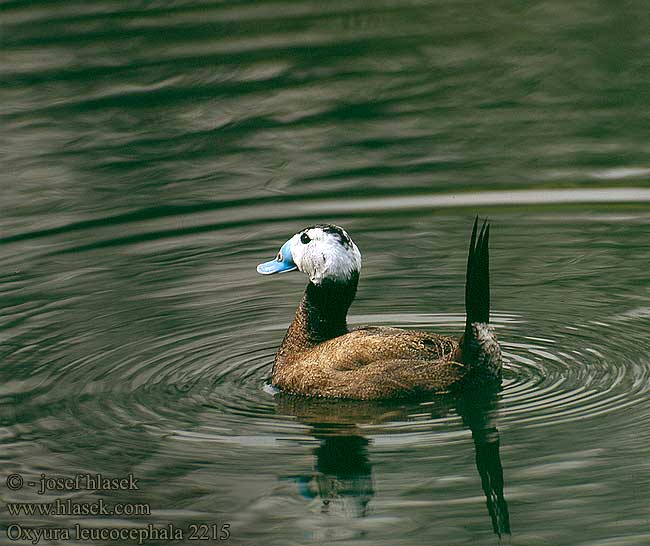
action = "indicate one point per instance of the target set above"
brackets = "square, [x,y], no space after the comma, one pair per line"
[477,284]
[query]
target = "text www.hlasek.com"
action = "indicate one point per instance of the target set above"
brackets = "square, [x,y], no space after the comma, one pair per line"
[68,508]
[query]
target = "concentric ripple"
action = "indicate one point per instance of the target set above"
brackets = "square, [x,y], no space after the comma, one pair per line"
[206,382]
[551,381]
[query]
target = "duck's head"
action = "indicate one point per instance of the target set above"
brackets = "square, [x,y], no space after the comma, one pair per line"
[322,252]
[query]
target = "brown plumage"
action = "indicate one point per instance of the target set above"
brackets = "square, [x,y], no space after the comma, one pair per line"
[319,356]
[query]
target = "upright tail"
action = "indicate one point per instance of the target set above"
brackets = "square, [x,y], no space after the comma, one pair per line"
[477,283]
[479,345]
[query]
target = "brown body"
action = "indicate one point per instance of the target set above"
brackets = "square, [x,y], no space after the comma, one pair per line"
[372,363]
[320,357]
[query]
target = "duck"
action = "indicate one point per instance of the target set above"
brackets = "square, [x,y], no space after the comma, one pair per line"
[320,356]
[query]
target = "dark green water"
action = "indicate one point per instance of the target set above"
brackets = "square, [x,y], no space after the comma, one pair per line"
[154,152]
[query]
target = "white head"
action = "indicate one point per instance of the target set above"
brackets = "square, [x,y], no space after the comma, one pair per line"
[322,252]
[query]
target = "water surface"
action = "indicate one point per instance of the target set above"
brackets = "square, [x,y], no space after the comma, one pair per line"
[155,152]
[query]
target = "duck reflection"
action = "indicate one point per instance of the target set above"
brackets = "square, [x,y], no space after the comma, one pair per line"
[343,473]
[343,476]
[479,415]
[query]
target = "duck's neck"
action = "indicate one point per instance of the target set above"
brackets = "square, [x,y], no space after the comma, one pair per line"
[321,315]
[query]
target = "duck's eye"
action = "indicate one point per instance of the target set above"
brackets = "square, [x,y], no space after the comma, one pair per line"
[279,258]
[304,239]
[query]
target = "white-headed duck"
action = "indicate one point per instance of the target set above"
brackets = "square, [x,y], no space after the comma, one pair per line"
[320,356]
